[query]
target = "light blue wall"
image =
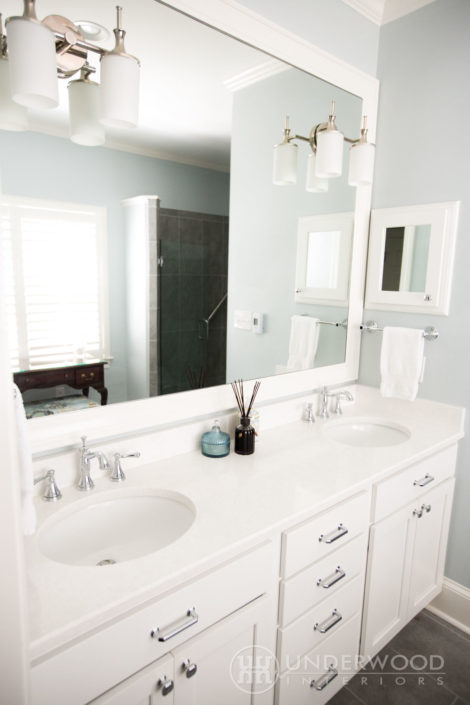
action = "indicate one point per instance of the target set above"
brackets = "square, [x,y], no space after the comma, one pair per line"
[423,156]
[264,218]
[329,24]
[41,166]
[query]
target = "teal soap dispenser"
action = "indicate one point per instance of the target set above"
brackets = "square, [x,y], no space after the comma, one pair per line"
[215,443]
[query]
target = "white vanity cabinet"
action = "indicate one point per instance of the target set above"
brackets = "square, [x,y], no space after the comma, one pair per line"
[206,620]
[322,584]
[408,539]
[209,669]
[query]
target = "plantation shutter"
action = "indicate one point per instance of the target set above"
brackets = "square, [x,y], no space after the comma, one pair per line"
[54,274]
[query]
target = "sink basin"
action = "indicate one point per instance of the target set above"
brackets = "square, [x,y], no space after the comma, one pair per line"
[366,432]
[118,526]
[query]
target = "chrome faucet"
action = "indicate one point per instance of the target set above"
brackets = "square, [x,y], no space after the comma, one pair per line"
[323,404]
[85,482]
[343,394]
[51,491]
[117,474]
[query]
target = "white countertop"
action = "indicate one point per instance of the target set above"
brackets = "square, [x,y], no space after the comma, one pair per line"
[239,500]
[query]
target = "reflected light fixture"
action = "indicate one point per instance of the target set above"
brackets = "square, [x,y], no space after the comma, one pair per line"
[326,160]
[13,116]
[120,74]
[39,52]
[84,110]
[285,160]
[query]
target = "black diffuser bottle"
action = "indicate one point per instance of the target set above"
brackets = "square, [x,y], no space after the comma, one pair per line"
[244,432]
[244,437]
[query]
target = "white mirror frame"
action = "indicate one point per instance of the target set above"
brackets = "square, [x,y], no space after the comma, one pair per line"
[340,224]
[443,219]
[61,432]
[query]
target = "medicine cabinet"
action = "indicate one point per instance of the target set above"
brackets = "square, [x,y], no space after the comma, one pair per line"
[411,256]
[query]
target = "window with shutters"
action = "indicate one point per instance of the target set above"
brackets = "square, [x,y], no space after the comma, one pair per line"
[54,276]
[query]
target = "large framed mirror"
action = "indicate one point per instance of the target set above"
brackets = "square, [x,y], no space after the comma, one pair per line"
[290,77]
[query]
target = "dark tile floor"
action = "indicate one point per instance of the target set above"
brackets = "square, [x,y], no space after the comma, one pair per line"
[427,662]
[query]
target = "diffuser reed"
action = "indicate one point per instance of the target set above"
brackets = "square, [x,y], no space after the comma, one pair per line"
[244,433]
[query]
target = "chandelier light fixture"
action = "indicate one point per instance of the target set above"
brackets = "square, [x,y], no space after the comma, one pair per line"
[35,54]
[326,160]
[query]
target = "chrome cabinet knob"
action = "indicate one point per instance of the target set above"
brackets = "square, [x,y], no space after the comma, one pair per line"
[166,684]
[189,668]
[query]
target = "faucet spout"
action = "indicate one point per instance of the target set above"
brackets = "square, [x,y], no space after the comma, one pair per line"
[85,482]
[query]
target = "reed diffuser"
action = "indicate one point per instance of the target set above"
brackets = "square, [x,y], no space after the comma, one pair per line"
[244,432]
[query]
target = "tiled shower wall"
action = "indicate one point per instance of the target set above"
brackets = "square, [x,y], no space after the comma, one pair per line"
[192,251]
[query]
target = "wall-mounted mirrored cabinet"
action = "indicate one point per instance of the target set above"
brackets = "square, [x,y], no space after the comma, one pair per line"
[411,256]
[323,259]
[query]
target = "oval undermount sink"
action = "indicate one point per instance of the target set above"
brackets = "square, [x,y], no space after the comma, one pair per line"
[119,526]
[366,432]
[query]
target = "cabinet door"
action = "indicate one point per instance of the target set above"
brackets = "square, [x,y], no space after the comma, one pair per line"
[429,547]
[150,686]
[388,569]
[215,667]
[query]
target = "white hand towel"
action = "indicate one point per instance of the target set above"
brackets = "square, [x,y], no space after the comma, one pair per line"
[303,343]
[25,465]
[401,362]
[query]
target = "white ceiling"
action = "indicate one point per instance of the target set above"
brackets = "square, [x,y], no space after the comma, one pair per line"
[383,11]
[188,74]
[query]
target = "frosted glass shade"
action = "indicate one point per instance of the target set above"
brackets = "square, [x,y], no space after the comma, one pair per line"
[313,183]
[84,104]
[120,76]
[32,60]
[329,162]
[285,164]
[361,164]
[12,116]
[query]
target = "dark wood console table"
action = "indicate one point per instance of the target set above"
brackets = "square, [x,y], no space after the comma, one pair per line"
[79,376]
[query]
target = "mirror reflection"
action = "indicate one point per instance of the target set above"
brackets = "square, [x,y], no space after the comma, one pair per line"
[192,292]
[406,256]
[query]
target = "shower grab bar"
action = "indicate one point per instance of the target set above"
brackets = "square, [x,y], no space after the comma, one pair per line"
[205,321]
[215,309]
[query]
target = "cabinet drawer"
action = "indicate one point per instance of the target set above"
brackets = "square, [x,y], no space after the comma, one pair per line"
[338,652]
[301,592]
[410,484]
[88,374]
[325,533]
[126,646]
[315,627]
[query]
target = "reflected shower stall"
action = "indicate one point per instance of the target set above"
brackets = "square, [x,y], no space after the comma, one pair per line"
[176,298]
[192,287]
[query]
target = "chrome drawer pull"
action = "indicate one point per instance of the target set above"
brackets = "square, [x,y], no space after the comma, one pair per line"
[424,481]
[426,507]
[329,623]
[418,513]
[333,535]
[176,627]
[326,678]
[166,684]
[339,574]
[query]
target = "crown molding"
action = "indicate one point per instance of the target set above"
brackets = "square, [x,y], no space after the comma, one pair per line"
[255,74]
[373,10]
[399,8]
[383,11]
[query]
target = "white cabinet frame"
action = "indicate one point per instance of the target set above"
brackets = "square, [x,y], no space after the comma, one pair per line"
[443,218]
[334,223]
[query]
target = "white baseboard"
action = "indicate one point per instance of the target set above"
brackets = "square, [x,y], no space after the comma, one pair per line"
[453,605]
